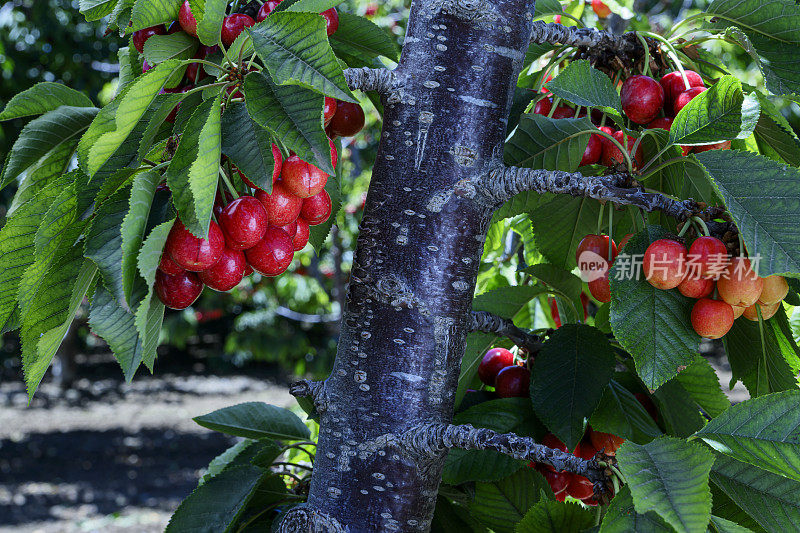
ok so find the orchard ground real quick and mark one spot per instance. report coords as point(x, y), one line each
point(107, 456)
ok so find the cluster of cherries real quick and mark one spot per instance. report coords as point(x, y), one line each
point(707, 269)
point(498, 369)
point(646, 102)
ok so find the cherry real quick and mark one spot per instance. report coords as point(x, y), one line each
point(775, 289)
point(558, 481)
point(233, 25)
point(282, 206)
point(554, 312)
point(694, 287)
point(724, 145)
point(605, 441)
point(290, 228)
point(739, 285)
point(685, 97)
point(300, 238)
point(543, 107)
point(334, 154)
point(316, 209)
point(195, 71)
point(712, 319)
point(140, 37)
point(146, 66)
point(664, 262)
point(642, 98)
point(738, 311)
point(513, 382)
point(266, 9)
point(601, 9)
point(174, 113)
point(193, 253)
point(273, 254)
point(601, 288)
point(244, 222)
point(348, 119)
point(551, 441)
point(493, 362)
point(328, 110)
point(710, 255)
point(613, 155)
point(593, 152)
point(187, 20)
point(226, 273)
point(276, 168)
point(331, 17)
point(302, 178)
point(663, 123)
point(168, 266)
point(585, 449)
point(563, 111)
point(580, 487)
point(597, 244)
point(673, 84)
point(219, 205)
point(767, 311)
point(178, 291)
point(174, 27)
point(247, 269)
point(590, 501)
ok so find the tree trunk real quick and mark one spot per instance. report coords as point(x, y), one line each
point(413, 277)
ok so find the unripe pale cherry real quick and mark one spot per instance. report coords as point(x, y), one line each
point(738, 311)
point(193, 253)
point(273, 254)
point(708, 258)
point(712, 319)
point(694, 287)
point(282, 206)
point(767, 311)
point(664, 264)
point(301, 235)
point(674, 85)
point(740, 285)
point(492, 363)
point(642, 98)
point(774, 290)
point(243, 222)
point(140, 37)
point(178, 291)
point(316, 209)
point(302, 178)
point(513, 382)
point(187, 20)
point(226, 273)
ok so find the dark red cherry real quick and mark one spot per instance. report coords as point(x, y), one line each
point(331, 20)
point(347, 120)
point(219, 205)
point(302, 178)
point(642, 98)
point(233, 25)
point(593, 152)
point(673, 85)
point(563, 111)
point(290, 228)
point(140, 37)
point(663, 123)
point(168, 266)
point(513, 382)
point(543, 107)
point(266, 9)
point(226, 273)
point(328, 109)
point(316, 209)
point(301, 236)
point(244, 222)
point(178, 291)
point(492, 363)
point(282, 206)
point(273, 254)
point(193, 253)
point(187, 20)
point(685, 97)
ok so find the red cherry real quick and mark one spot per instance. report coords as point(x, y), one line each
point(551, 441)
point(708, 258)
point(597, 244)
point(642, 98)
point(244, 222)
point(613, 156)
point(328, 109)
point(140, 37)
point(174, 27)
point(605, 441)
point(233, 25)
point(593, 152)
point(601, 288)
point(226, 273)
point(331, 20)
point(558, 481)
point(302, 235)
point(664, 123)
point(219, 205)
point(174, 113)
point(580, 488)
point(712, 319)
point(693, 287)
point(302, 178)
point(348, 119)
point(493, 362)
point(513, 382)
point(664, 264)
point(290, 228)
point(282, 206)
point(187, 20)
point(673, 84)
point(724, 145)
point(563, 111)
point(316, 209)
point(334, 154)
point(273, 254)
point(195, 71)
point(168, 266)
point(266, 9)
point(590, 501)
point(178, 291)
point(554, 312)
point(600, 9)
point(543, 107)
point(247, 269)
point(585, 449)
point(624, 241)
point(685, 97)
point(193, 253)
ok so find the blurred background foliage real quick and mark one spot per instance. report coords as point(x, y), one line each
point(290, 323)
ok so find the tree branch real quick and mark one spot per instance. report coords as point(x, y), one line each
point(382, 80)
point(489, 323)
point(503, 183)
point(584, 37)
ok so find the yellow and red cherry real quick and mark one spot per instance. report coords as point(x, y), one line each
point(739, 285)
point(712, 319)
point(664, 264)
point(302, 178)
point(696, 287)
point(710, 255)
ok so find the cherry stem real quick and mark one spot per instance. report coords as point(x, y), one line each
point(702, 225)
point(685, 228)
point(227, 182)
point(610, 232)
point(600, 218)
point(687, 20)
point(625, 154)
point(646, 69)
point(741, 244)
point(556, 102)
point(673, 55)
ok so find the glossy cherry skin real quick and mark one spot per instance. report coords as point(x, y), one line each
point(694, 287)
point(226, 273)
point(712, 319)
point(543, 107)
point(774, 289)
point(247, 269)
point(673, 84)
point(580, 488)
point(664, 264)
point(347, 120)
point(558, 481)
point(290, 228)
point(168, 266)
point(282, 206)
point(513, 382)
point(302, 178)
point(193, 253)
point(219, 205)
point(642, 98)
point(493, 362)
point(331, 17)
point(266, 9)
point(593, 152)
point(601, 289)
point(601, 9)
point(301, 236)
point(187, 20)
point(739, 285)
point(605, 441)
point(334, 154)
point(233, 25)
point(140, 37)
point(273, 254)
point(685, 97)
point(597, 244)
point(663, 123)
point(276, 168)
point(195, 71)
point(708, 258)
point(613, 156)
point(767, 311)
point(244, 222)
point(316, 209)
point(563, 111)
point(328, 110)
point(178, 291)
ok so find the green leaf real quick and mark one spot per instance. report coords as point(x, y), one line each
point(764, 199)
point(115, 325)
point(568, 377)
point(774, 19)
point(551, 144)
point(720, 113)
point(150, 313)
point(776, 60)
point(160, 48)
point(48, 168)
point(762, 431)
point(193, 174)
point(653, 325)
point(622, 517)
point(583, 85)
point(209, 20)
point(255, 420)
point(679, 413)
point(700, 380)
point(360, 37)
point(96, 9)
point(501, 505)
point(777, 142)
point(726, 508)
point(292, 114)
point(566, 283)
point(248, 145)
point(621, 414)
point(556, 517)
point(669, 476)
point(104, 241)
point(773, 501)
point(295, 50)
point(43, 98)
point(244, 452)
point(134, 226)
point(215, 506)
point(548, 7)
point(726, 526)
point(221, 461)
point(153, 12)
